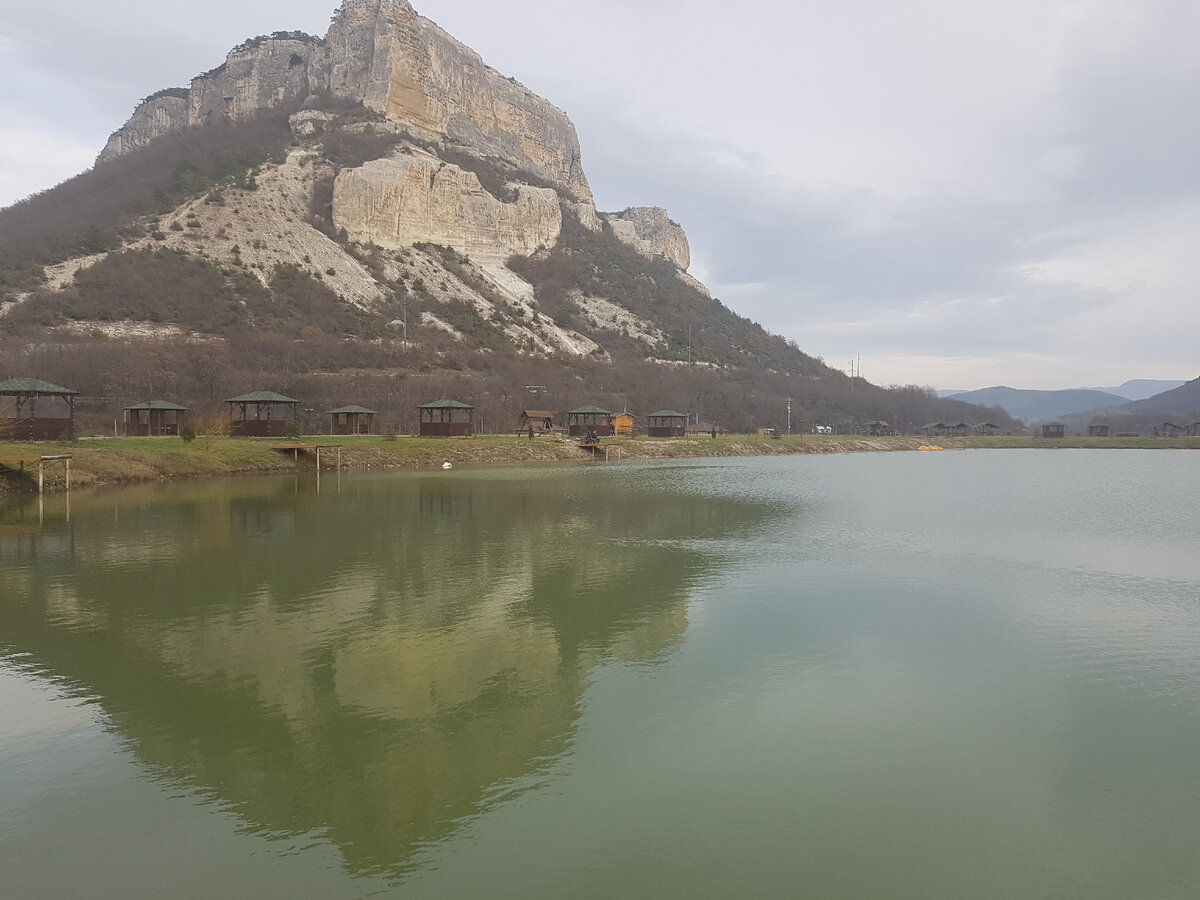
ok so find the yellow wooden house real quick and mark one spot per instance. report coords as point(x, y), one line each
point(623, 423)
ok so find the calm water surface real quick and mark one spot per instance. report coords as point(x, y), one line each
point(962, 674)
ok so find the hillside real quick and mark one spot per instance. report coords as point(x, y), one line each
point(357, 225)
point(1040, 405)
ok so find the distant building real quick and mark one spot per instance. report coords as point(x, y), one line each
point(154, 418)
point(1052, 430)
point(352, 420)
point(36, 410)
point(1097, 431)
point(987, 428)
point(622, 423)
point(446, 418)
point(588, 419)
point(667, 423)
point(261, 414)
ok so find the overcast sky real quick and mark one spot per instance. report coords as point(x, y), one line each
point(964, 193)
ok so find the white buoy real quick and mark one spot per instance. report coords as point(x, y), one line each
point(447, 465)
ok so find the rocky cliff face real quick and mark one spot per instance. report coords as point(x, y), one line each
point(414, 196)
point(397, 63)
point(650, 231)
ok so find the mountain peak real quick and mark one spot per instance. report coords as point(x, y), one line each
point(398, 65)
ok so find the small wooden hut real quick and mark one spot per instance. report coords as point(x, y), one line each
point(667, 423)
point(446, 418)
point(154, 418)
point(352, 420)
point(1097, 431)
point(878, 427)
point(987, 428)
point(588, 419)
point(536, 421)
point(36, 410)
point(261, 414)
point(1052, 430)
point(623, 423)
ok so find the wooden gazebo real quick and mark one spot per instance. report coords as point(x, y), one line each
point(35, 410)
point(1098, 430)
point(588, 419)
point(667, 423)
point(154, 418)
point(1052, 430)
point(352, 420)
point(446, 418)
point(261, 414)
point(536, 421)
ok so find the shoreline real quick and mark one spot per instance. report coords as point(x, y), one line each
point(111, 461)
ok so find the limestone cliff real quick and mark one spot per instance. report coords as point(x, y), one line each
point(650, 231)
point(413, 196)
point(398, 64)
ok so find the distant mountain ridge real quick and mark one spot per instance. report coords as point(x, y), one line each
point(1037, 405)
point(1140, 388)
point(1136, 396)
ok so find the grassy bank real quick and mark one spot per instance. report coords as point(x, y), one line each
point(118, 460)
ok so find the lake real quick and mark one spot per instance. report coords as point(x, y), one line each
point(906, 675)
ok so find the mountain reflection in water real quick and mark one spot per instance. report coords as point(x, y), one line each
point(371, 664)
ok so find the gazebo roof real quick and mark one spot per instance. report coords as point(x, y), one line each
point(668, 414)
point(261, 397)
point(592, 410)
point(537, 414)
point(33, 386)
point(445, 404)
point(159, 404)
point(361, 410)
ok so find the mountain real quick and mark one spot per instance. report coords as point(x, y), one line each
point(1140, 388)
point(1182, 402)
point(378, 217)
point(1038, 405)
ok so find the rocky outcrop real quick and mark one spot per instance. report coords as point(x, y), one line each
point(650, 231)
point(397, 63)
point(414, 196)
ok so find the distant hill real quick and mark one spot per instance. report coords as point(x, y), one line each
point(1182, 402)
point(1036, 405)
point(1140, 388)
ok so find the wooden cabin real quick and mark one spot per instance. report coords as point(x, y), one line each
point(352, 420)
point(878, 428)
point(154, 418)
point(36, 410)
point(667, 423)
point(446, 418)
point(536, 421)
point(261, 414)
point(1097, 431)
point(588, 419)
point(987, 428)
point(1052, 430)
point(622, 423)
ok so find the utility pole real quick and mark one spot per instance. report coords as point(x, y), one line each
point(789, 419)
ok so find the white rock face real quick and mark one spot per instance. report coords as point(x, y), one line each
point(650, 231)
point(397, 63)
point(414, 196)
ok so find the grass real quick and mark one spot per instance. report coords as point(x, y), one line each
point(122, 460)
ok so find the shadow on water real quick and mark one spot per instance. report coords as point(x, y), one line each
point(375, 664)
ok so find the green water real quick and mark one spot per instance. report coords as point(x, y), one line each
point(971, 674)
